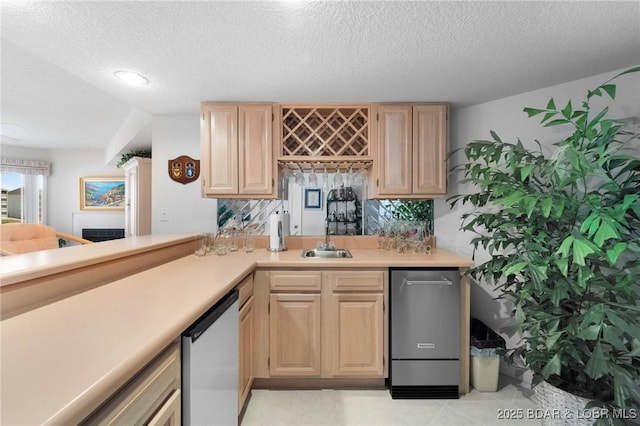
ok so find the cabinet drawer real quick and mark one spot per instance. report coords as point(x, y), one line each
point(356, 280)
point(296, 281)
point(151, 392)
point(245, 289)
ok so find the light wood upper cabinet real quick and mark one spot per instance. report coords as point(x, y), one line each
point(237, 151)
point(393, 162)
point(430, 136)
point(411, 151)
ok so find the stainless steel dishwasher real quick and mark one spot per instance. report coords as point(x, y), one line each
point(424, 333)
point(210, 366)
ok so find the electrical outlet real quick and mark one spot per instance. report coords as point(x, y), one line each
point(164, 215)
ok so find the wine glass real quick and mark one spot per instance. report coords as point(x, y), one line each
point(337, 179)
point(362, 176)
point(325, 179)
point(349, 177)
point(313, 178)
point(299, 177)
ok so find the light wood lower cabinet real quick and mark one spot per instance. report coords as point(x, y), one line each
point(355, 334)
point(245, 371)
point(152, 397)
point(322, 324)
point(355, 328)
point(295, 335)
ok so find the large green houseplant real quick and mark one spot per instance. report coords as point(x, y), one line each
point(563, 233)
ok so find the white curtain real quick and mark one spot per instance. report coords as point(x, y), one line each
point(34, 192)
point(25, 167)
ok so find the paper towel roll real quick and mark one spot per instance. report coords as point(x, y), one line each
point(276, 221)
point(286, 224)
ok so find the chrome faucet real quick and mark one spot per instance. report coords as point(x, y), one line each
point(328, 245)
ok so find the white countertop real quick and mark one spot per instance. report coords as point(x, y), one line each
point(61, 360)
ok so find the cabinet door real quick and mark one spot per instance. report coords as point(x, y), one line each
point(246, 357)
point(430, 149)
point(393, 159)
point(150, 397)
point(355, 334)
point(294, 344)
point(169, 414)
point(256, 166)
point(219, 147)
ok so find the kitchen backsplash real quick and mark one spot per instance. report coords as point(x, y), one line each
point(309, 219)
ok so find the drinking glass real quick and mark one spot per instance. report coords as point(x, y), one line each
point(325, 180)
point(222, 242)
point(313, 179)
point(299, 177)
point(362, 176)
point(349, 177)
point(249, 241)
point(203, 242)
point(337, 179)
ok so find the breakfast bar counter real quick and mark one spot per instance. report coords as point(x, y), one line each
point(61, 360)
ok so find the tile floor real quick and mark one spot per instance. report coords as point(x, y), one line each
point(375, 407)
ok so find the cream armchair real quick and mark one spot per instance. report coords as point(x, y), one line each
point(18, 238)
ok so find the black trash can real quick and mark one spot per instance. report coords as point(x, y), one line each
point(485, 356)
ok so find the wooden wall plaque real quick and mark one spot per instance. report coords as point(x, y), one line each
point(184, 169)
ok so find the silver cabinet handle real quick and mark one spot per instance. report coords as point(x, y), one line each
point(444, 281)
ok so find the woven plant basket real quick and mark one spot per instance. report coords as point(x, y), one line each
point(561, 408)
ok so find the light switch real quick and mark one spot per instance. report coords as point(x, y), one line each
point(164, 215)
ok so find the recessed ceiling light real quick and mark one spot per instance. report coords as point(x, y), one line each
point(132, 78)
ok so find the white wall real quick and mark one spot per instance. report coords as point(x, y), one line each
point(67, 167)
point(63, 186)
point(173, 136)
point(506, 117)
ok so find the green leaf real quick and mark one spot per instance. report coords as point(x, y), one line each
point(515, 268)
point(546, 207)
point(563, 265)
point(531, 112)
point(614, 252)
point(631, 329)
point(557, 122)
point(610, 89)
point(565, 246)
point(552, 339)
point(605, 231)
point(610, 335)
point(595, 92)
point(597, 365)
point(525, 171)
point(581, 249)
point(495, 136)
point(551, 104)
point(552, 367)
point(566, 112)
point(590, 333)
point(520, 317)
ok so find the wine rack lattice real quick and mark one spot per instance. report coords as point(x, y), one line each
point(325, 132)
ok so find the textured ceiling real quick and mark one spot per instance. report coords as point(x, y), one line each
point(58, 58)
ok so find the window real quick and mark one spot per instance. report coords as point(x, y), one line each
point(24, 190)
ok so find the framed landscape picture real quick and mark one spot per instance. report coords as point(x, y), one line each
point(102, 193)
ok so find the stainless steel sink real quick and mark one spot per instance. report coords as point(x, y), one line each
point(326, 254)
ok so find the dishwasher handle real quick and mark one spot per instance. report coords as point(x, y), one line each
point(208, 318)
point(443, 281)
